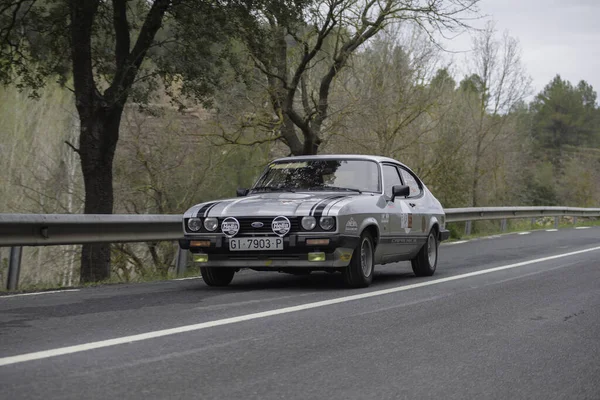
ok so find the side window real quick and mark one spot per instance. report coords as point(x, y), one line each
point(390, 178)
point(411, 182)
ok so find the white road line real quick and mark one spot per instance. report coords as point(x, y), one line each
point(38, 293)
point(524, 233)
point(583, 227)
point(458, 242)
point(551, 230)
point(186, 279)
point(227, 321)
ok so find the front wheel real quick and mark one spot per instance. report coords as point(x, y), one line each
point(425, 263)
point(217, 276)
point(359, 273)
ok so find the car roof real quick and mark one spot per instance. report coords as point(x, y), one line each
point(378, 159)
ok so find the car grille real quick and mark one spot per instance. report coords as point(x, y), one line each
point(246, 227)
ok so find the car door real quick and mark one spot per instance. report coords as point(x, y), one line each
point(418, 208)
point(397, 220)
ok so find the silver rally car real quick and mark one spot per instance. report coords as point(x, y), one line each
point(335, 213)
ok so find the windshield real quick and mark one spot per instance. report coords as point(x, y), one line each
point(323, 174)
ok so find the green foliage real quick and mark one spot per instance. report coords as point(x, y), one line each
point(33, 42)
point(472, 84)
point(539, 186)
point(443, 81)
point(578, 183)
point(565, 115)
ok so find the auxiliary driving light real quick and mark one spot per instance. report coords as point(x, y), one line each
point(314, 257)
point(317, 242)
point(200, 258)
point(200, 243)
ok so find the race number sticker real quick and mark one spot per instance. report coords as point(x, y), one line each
point(403, 220)
point(406, 217)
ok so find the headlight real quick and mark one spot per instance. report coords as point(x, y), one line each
point(211, 224)
point(194, 224)
point(326, 223)
point(309, 223)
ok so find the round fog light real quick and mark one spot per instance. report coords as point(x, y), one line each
point(309, 223)
point(327, 223)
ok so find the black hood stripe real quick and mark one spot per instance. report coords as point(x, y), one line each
point(337, 201)
point(202, 210)
point(312, 210)
point(319, 210)
point(326, 199)
point(210, 208)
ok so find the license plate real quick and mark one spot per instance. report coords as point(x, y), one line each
point(263, 243)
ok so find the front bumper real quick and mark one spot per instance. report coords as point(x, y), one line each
point(295, 253)
point(444, 235)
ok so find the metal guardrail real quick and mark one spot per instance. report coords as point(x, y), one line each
point(17, 230)
point(481, 213)
point(62, 229)
point(469, 215)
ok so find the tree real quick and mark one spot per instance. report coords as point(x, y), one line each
point(498, 81)
point(301, 46)
point(387, 83)
point(112, 52)
point(565, 115)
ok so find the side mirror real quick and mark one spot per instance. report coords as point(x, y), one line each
point(241, 192)
point(399, 191)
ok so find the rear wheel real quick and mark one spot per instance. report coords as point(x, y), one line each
point(217, 276)
point(425, 263)
point(360, 271)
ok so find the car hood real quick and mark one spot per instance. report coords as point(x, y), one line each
point(271, 204)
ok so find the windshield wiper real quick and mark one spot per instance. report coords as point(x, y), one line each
point(272, 188)
point(325, 187)
point(261, 188)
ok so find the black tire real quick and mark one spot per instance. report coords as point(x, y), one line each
point(354, 274)
point(217, 276)
point(425, 263)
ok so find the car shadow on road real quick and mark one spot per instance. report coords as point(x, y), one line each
point(316, 281)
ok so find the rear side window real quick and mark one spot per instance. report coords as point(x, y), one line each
point(412, 182)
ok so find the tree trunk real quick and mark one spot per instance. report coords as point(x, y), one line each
point(311, 144)
point(288, 131)
point(476, 176)
point(98, 138)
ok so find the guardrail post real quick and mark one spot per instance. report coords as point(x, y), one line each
point(14, 268)
point(468, 228)
point(574, 220)
point(182, 260)
point(556, 222)
point(503, 225)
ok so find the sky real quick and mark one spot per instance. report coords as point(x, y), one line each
point(555, 36)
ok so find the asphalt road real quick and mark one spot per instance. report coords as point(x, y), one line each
point(510, 317)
